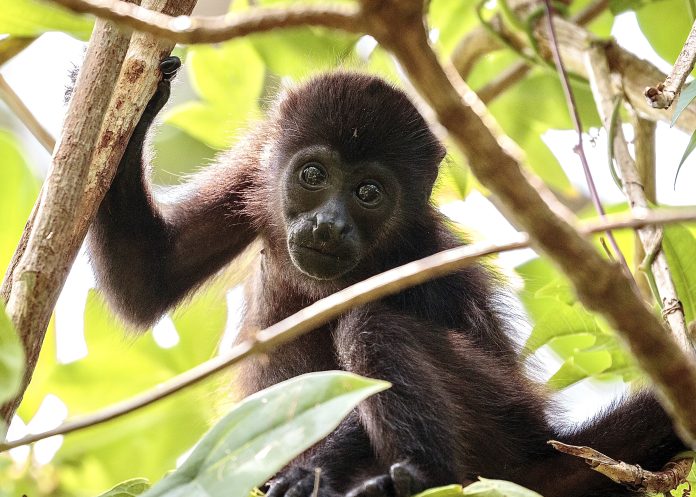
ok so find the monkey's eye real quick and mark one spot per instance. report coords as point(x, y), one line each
point(369, 193)
point(313, 175)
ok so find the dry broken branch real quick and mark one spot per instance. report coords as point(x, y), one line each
point(605, 94)
point(662, 95)
point(187, 29)
point(379, 286)
point(631, 475)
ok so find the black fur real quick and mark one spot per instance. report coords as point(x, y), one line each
point(460, 406)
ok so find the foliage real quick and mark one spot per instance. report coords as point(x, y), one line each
point(225, 87)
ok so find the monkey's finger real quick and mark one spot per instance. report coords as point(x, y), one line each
point(402, 479)
point(374, 487)
point(169, 67)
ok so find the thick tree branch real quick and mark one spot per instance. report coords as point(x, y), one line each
point(631, 475)
point(644, 143)
point(600, 284)
point(480, 42)
point(97, 127)
point(635, 74)
point(379, 286)
point(605, 95)
point(186, 29)
point(662, 95)
point(42, 269)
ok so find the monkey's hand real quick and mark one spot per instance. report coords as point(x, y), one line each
point(168, 67)
point(403, 480)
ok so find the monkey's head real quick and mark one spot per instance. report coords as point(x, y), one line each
point(354, 163)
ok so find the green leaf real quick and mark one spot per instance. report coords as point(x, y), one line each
point(207, 123)
point(299, 51)
point(32, 18)
point(689, 148)
point(686, 96)
point(498, 488)
point(666, 25)
point(11, 358)
point(129, 488)
point(446, 491)
point(581, 365)
point(562, 320)
point(678, 244)
point(264, 432)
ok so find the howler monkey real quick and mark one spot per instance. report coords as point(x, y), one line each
point(336, 184)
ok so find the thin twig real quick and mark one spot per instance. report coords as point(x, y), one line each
point(374, 288)
point(631, 476)
point(517, 71)
point(194, 29)
point(8, 95)
point(651, 237)
point(662, 95)
point(580, 149)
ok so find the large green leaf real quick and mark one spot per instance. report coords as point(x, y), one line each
point(666, 24)
point(679, 244)
point(11, 358)
point(446, 491)
point(265, 431)
point(33, 17)
point(229, 78)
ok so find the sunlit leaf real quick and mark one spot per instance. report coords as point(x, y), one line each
point(446, 491)
point(679, 244)
point(33, 17)
point(497, 488)
point(579, 366)
point(129, 488)
point(298, 52)
point(666, 25)
point(208, 123)
point(265, 431)
point(11, 358)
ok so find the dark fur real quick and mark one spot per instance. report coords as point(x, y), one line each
point(460, 405)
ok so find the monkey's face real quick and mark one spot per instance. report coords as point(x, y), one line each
point(335, 213)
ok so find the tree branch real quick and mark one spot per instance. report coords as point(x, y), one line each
point(631, 475)
point(662, 95)
point(322, 311)
point(83, 165)
point(187, 29)
point(495, 161)
point(20, 110)
point(644, 142)
point(42, 269)
point(651, 237)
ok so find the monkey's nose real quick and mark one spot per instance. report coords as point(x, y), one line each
point(328, 229)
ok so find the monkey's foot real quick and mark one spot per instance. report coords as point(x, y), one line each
point(169, 67)
point(402, 480)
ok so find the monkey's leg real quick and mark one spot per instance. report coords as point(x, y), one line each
point(412, 425)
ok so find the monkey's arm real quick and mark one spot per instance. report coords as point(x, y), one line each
point(147, 256)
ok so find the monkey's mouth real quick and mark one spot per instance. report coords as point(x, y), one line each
point(320, 261)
